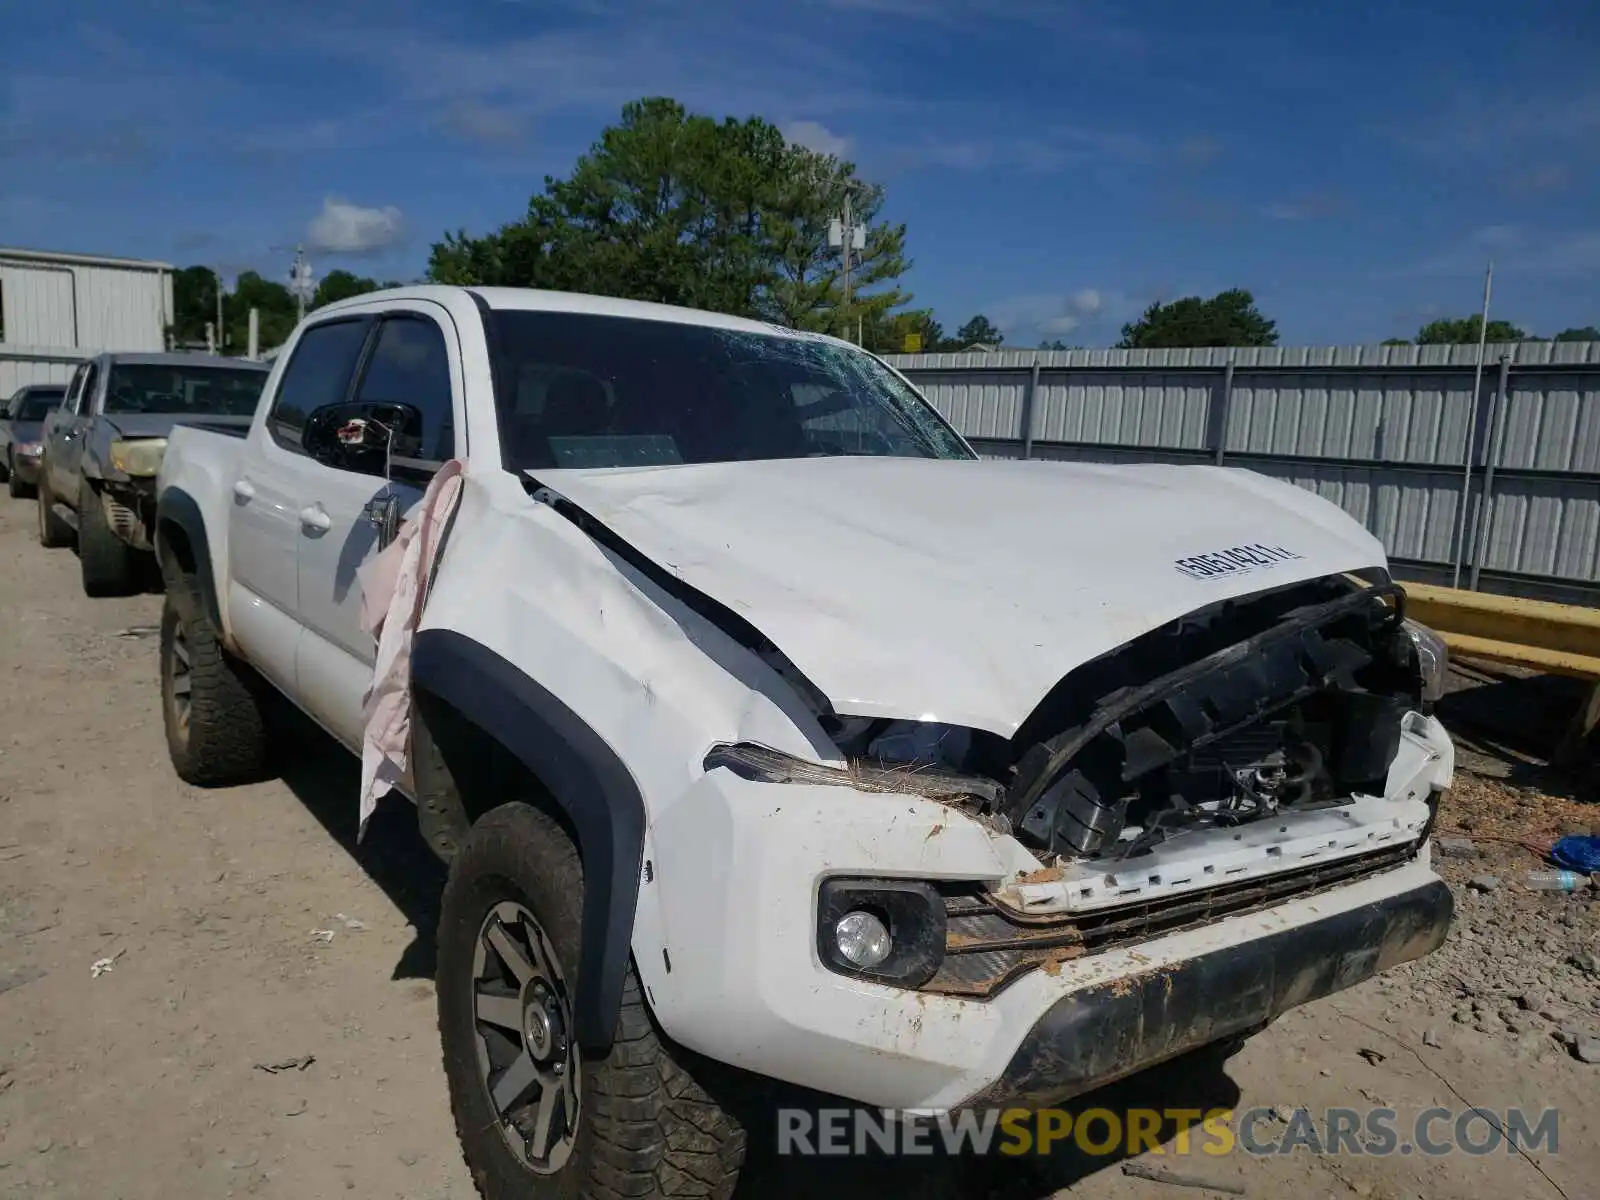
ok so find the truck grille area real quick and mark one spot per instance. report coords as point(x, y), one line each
point(987, 946)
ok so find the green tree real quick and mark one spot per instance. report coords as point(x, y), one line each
point(273, 300)
point(1582, 333)
point(886, 333)
point(1227, 319)
point(340, 284)
point(194, 303)
point(979, 330)
point(1396, 342)
point(1463, 331)
point(1057, 344)
point(683, 209)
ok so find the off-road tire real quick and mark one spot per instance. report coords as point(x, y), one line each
point(54, 533)
point(225, 736)
point(647, 1127)
point(109, 566)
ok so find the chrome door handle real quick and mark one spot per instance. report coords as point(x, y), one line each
point(384, 514)
point(315, 518)
point(244, 489)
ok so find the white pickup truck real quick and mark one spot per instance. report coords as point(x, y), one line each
point(765, 726)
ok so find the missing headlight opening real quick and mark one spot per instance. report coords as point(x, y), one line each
point(1284, 701)
point(1291, 700)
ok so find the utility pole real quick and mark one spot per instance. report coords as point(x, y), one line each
point(847, 235)
point(217, 348)
point(300, 283)
point(1472, 429)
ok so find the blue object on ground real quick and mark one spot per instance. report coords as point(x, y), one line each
point(1578, 853)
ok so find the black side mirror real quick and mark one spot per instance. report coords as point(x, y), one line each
point(363, 437)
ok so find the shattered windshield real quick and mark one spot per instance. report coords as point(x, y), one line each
point(581, 390)
point(203, 390)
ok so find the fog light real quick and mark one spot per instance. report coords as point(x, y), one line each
point(862, 939)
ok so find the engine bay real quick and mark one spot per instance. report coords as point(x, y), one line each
point(1287, 701)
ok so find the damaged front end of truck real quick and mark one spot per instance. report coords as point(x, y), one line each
point(1258, 750)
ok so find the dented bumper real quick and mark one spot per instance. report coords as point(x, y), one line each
point(742, 980)
point(1115, 1029)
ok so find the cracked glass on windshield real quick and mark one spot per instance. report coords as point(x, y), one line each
point(581, 390)
point(169, 388)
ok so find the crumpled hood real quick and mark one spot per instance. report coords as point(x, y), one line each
point(963, 591)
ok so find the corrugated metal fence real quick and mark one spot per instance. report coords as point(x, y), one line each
point(1383, 431)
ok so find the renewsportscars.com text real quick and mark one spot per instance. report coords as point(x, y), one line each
point(1217, 1131)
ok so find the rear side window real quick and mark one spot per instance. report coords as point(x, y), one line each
point(410, 367)
point(317, 374)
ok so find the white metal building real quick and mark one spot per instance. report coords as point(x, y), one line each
point(58, 309)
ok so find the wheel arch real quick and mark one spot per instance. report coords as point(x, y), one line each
point(181, 543)
point(591, 790)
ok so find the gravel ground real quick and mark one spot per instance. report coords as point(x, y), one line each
point(231, 1049)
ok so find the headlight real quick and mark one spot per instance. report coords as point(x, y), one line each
point(762, 765)
point(141, 457)
point(30, 449)
point(1433, 658)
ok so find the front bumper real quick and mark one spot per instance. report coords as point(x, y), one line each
point(1115, 1029)
point(725, 942)
point(26, 467)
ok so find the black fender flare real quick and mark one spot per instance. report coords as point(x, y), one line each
point(180, 508)
point(583, 774)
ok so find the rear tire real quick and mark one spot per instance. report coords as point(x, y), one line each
point(110, 567)
point(642, 1125)
point(213, 706)
point(54, 533)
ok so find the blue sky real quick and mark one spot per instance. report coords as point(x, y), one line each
point(1059, 164)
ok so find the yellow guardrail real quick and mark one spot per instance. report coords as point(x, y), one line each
point(1562, 639)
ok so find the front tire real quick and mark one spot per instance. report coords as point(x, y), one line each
point(213, 709)
point(54, 533)
point(536, 1119)
point(16, 486)
point(110, 567)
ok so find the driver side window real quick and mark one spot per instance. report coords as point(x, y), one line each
point(318, 374)
point(410, 370)
point(91, 379)
point(69, 401)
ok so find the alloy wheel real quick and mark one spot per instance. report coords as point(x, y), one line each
point(527, 1057)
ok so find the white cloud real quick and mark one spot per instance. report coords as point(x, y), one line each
point(344, 228)
point(1087, 301)
point(814, 135)
point(1308, 208)
point(1032, 318)
point(479, 122)
point(1056, 326)
point(1200, 150)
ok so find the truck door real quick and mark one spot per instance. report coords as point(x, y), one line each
point(413, 370)
point(270, 509)
point(64, 451)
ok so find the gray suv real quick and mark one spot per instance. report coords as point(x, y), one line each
point(103, 446)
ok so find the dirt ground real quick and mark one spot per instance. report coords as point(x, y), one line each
point(147, 1079)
